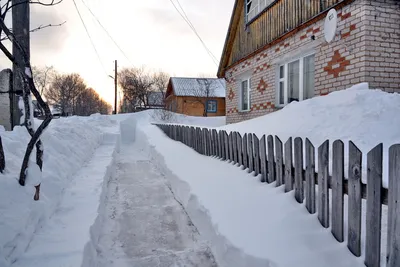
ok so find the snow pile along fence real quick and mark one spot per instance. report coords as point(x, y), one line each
point(284, 165)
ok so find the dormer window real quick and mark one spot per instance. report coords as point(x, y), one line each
point(254, 7)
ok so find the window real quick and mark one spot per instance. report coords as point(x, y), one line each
point(244, 104)
point(254, 7)
point(212, 106)
point(296, 80)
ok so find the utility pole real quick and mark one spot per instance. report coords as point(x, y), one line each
point(21, 28)
point(116, 85)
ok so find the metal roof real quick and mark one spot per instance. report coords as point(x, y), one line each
point(192, 86)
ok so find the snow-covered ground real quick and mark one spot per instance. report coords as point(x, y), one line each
point(244, 222)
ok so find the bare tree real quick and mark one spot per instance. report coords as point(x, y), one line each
point(204, 91)
point(64, 90)
point(25, 73)
point(89, 102)
point(43, 77)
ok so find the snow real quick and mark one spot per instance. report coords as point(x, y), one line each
point(33, 175)
point(21, 107)
point(28, 72)
point(359, 114)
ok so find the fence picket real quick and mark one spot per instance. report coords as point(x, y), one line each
point(245, 152)
point(354, 200)
point(337, 190)
point(271, 160)
point(215, 143)
point(263, 159)
point(239, 148)
point(298, 173)
point(288, 166)
point(279, 161)
point(393, 252)
point(226, 142)
point(222, 140)
point(230, 143)
point(250, 152)
point(193, 137)
point(219, 151)
point(310, 177)
point(2, 157)
point(374, 207)
point(256, 152)
point(234, 147)
point(323, 186)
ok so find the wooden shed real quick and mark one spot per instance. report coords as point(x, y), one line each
point(196, 96)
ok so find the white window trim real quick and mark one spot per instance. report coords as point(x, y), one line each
point(248, 79)
point(285, 78)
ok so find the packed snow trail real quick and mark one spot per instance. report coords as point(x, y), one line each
point(144, 224)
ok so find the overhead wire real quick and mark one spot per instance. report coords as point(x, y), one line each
point(90, 38)
point(187, 20)
point(106, 31)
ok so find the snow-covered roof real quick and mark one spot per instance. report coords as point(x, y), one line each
point(191, 86)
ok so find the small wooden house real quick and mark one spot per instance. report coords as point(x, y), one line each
point(275, 52)
point(196, 96)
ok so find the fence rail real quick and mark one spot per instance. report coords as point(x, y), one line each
point(276, 162)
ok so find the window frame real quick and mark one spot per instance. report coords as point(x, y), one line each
point(257, 7)
point(216, 106)
point(285, 79)
point(248, 80)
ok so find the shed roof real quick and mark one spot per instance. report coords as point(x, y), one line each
point(189, 86)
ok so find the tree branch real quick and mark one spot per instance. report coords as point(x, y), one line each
point(47, 26)
point(6, 52)
point(53, 3)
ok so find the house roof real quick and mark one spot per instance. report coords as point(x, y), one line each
point(189, 86)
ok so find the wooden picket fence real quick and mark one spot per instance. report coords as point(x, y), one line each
point(276, 163)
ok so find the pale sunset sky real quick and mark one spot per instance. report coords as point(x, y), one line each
point(150, 32)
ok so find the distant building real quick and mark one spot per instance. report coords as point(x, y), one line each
point(196, 96)
point(275, 52)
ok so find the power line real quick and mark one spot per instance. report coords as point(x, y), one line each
point(194, 29)
point(105, 30)
point(186, 19)
point(91, 40)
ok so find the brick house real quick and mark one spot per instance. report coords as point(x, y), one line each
point(196, 96)
point(275, 52)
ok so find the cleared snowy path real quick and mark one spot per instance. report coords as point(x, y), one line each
point(144, 225)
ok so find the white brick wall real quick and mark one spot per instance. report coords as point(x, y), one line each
point(5, 117)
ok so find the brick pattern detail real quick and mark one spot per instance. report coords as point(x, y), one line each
point(232, 110)
point(231, 94)
point(262, 106)
point(262, 86)
point(261, 68)
point(311, 31)
point(337, 64)
point(246, 64)
point(262, 55)
point(348, 31)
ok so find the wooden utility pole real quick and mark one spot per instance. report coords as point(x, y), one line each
point(116, 85)
point(21, 28)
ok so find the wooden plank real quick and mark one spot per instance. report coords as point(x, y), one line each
point(374, 207)
point(393, 245)
point(230, 142)
point(193, 137)
point(215, 142)
point(263, 159)
point(298, 170)
point(198, 136)
point(279, 161)
point(2, 157)
point(288, 166)
point(271, 159)
point(337, 190)
point(245, 152)
point(310, 177)
point(222, 144)
point(354, 200)
point(250, 152)
point(219, 153)
point(239, 148)
point(206, 141)
point(256, 152)
point(234, 147)
point(226, 142)
point(323, 188)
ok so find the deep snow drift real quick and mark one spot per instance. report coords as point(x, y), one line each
point(366, 117)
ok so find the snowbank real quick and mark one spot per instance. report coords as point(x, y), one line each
point(68, 144)
point(247, 223)
point(366, 117)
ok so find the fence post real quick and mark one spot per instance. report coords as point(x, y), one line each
point(271, 160)
point(298, 173)
point(239, 148)
point(263, 156)
point(310, 177)
point(245, 152)
point(323, 186)
point(354, 200)
point(279, 161)
point(393, 252)
point(374, 207)
point(250, 152)
point(256, 152)
point(337, 190)
point(288, 166)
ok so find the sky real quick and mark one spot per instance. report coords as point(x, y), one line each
point(151, 33)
